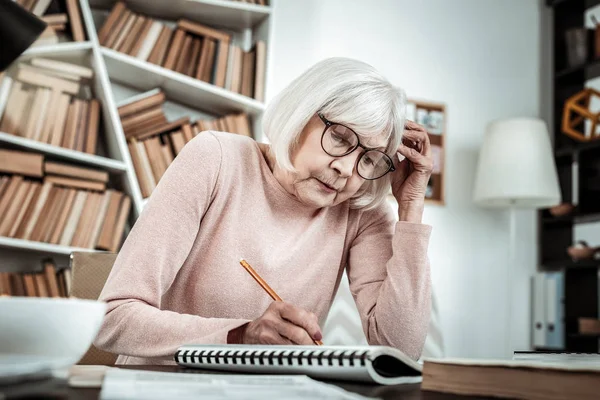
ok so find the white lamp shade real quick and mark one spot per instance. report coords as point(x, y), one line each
point(516, 167)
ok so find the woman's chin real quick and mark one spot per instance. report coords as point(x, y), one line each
point(316, 200)
point(319, 199)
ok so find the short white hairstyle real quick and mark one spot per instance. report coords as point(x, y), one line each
point(346, 91)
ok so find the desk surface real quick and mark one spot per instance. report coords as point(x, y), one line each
point(58, 389)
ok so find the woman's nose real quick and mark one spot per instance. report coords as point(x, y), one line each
point(345, 165)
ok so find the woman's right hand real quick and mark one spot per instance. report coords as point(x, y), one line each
point(283, 323)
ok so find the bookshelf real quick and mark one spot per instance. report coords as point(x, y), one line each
point(578, 171)
point(119, 79)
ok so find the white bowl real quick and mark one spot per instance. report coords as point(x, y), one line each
point(38, 335)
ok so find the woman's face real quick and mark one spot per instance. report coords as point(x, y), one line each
point(322, 180)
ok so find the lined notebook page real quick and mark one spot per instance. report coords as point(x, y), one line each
point(133, 385)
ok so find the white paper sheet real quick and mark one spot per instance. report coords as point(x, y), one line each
point(132, 385)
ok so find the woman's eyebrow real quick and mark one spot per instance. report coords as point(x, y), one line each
point(380, 147)
point(377, 146)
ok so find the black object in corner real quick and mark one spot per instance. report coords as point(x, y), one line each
point(18, 30)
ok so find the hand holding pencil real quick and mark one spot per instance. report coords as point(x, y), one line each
point(282, 323)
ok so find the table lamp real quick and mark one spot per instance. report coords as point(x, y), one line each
point(18, 30)
point(516, 170)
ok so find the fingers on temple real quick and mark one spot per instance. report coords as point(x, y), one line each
point(417, 138)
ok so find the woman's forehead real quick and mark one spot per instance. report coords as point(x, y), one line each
point(378, 141)
point(368, 138)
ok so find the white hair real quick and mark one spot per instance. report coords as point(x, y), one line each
point(346, 91)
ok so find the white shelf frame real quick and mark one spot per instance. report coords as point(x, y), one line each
point(91, 160)
point(251, 21)
point(58, 48)
point(228, 14)
point(39, 247)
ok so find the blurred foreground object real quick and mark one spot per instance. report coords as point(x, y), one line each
point(18, 30)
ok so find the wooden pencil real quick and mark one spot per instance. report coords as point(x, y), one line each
point(266, 287)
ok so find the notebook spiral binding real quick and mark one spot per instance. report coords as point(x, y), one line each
point(339, 358)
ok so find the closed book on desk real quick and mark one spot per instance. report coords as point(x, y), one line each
point(533, 380)
point(378, 364)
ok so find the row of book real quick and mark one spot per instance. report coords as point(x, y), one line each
point(154, 142)
point(63, 18)
point(48, 282)
point(59, 203)
point(51, 102)
point(143, 116)
point(193, 49)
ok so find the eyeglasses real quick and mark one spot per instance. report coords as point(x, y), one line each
point(339, 141)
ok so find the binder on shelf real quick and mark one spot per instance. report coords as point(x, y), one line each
point(539, 310)
point(555, 329)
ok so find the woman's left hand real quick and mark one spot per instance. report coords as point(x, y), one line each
point(409, 181)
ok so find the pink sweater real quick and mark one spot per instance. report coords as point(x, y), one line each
point(177, 279)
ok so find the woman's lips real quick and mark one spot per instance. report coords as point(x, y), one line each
point(326, 186)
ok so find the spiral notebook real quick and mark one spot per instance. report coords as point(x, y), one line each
point(375, 364)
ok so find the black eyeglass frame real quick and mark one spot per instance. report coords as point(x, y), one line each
point(329, 124)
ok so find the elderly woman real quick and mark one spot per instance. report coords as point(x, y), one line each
point(300, 212)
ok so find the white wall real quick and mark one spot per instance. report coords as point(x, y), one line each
point(461, 53)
